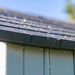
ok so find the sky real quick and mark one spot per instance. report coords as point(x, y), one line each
point(48, 8)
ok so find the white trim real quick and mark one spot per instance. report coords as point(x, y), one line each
point(2, 58)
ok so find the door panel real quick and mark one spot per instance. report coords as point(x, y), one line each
point(33, 61)
point(61, 62)
point(14, 59)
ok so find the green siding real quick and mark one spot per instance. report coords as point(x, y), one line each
point(61, 62)
point(28, 60)
point(14, 59)
point(33, 61)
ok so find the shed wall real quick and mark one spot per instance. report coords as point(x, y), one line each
point(14, 59)
point(33, 61)
point(28, 60)
point(61, 62)
point(24, 60)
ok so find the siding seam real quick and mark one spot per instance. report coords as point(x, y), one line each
point(23, 60)
point(74, 62)
point(43, 61)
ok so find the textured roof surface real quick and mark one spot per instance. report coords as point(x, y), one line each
point(36, 25)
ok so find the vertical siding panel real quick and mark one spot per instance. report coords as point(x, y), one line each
point(33, 61)
point(43, 61)
point(46, 62)
point(61, 62)
point(14, 59)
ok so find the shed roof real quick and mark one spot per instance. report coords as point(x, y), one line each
point(36, 30)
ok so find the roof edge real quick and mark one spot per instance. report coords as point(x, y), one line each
point(35, 40)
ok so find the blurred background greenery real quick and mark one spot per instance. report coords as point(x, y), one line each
point(70, 10)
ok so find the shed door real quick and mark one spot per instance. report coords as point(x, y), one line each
point(60, 62)
point(33, 61)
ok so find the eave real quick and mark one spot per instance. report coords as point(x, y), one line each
point(48, 33)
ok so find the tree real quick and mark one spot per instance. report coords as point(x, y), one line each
point(70, 10)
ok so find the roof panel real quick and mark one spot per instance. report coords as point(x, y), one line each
point(20, 23)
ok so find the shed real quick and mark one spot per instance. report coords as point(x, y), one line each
point(35, 45)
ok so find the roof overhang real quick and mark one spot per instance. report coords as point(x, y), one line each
point(39, 41)
point(35, 30)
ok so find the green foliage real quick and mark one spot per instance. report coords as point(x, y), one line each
point(70, 10)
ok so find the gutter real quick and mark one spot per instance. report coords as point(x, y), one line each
point(26, 39)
